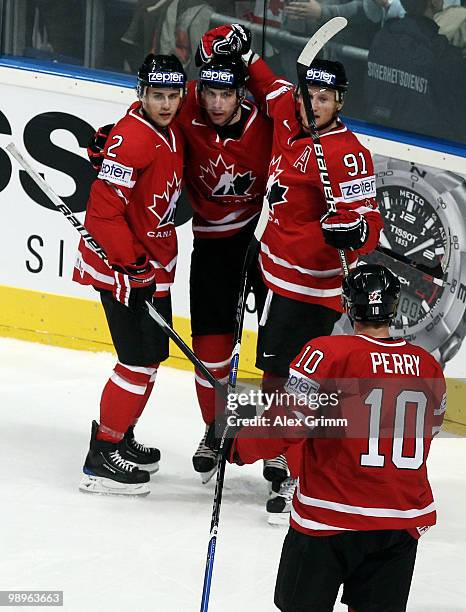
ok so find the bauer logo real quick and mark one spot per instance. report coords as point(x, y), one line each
point(217, 76)
point(116, 173)
point(166, 78)
point(358, 189)
point(317, 74)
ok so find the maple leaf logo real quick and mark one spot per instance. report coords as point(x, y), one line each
point(222, 180)
point(275, 192)
point(166, 214)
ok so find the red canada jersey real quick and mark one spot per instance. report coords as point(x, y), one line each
point(225, 179)
point(366, 471)
point(131, 207)
point(295, 260)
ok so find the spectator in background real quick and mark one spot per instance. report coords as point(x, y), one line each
point(376, 11)
point(415, 77)
point(452, 23)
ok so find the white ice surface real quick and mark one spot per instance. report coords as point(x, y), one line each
point(119, 555)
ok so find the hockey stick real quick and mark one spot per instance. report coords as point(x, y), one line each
point(68, 213)
point(316, 43)
point(305, 59)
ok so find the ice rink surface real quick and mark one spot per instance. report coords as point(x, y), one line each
point(111, 554)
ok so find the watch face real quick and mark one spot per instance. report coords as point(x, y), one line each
point(424, 220)
point(413, 229)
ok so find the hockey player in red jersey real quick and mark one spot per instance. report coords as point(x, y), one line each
point(228, 149)
point(363, 497)
point(298, 252)
point(130, 213)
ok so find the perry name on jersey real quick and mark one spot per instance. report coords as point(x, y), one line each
point(225, 178)
point(363, 462)
point(132, 204)
point(295, 260)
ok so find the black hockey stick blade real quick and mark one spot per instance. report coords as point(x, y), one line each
point(433, 271)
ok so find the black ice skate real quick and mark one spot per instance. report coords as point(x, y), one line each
point(146, 457)
point(279, 503)
point(205, 460)
point(275, 469)
point(106, 472)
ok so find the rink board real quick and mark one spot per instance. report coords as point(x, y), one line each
point(39, 301)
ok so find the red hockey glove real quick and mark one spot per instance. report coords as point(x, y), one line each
point(96, 146)
point(134, 284)
point(345, 229)
point(231, 39)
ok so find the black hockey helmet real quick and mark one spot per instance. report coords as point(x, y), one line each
point(371, 293)
point(161, 71)
point(329, 75)
point(223, 74)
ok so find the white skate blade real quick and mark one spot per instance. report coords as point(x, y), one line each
point(206, 476)
point(280, 519)
point(105, 486)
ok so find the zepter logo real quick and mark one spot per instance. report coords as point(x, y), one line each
point(317, 74)
point(217, 76)
point(171, 78)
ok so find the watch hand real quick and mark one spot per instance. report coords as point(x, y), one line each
point(420, 247)
point(383, 241)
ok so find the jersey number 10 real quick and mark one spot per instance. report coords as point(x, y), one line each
point(373, 458)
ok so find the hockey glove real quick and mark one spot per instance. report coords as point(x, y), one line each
point(231, 423)
point(345, 229)
point(226, 40)
point(134, 284)
point(96, 146)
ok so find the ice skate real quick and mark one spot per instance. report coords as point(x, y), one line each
point(279, 503)
point(144, 457)
point(107, 473)
point(205, 460)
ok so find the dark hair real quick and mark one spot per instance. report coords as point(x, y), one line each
point(415, 8)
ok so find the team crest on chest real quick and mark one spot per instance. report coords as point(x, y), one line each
point(222, 180)
point(164, 204)
point(275, 192)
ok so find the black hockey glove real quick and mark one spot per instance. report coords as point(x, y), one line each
point(226, 40)
point(345, 229)
point(231, 422)
point(96, 146)
point(134, 284)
